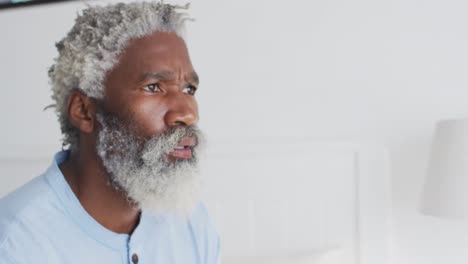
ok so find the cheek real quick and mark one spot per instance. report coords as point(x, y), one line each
point(148, 116)
point(195, 106)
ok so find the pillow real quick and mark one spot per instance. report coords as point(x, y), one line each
point(325, 256)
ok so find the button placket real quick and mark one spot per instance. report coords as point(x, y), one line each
point(134, 253)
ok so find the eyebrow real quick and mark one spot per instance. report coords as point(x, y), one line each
point(193, 77)
point(167, 75)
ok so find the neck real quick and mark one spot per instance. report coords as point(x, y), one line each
point(88, 179)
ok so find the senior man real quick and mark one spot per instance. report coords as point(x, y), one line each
point(124, 190)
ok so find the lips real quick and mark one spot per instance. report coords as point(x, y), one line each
point(184, 149)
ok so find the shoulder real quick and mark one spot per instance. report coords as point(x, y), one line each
point(200, 220)
point(205, 233)
point(21, 206)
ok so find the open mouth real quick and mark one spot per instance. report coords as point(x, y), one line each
point(184, 150)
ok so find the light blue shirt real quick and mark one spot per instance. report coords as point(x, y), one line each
point(44, 222)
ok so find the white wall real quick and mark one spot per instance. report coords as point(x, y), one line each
point(337, 69)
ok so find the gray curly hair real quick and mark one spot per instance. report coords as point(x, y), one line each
point(93, 45)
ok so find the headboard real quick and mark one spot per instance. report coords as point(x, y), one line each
point(297, 197)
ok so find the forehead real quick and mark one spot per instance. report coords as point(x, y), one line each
point(160, 51)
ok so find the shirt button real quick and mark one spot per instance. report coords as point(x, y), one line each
point(135, 258)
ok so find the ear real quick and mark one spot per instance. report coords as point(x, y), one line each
point(81, 111)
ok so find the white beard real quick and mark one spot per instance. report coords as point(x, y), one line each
point(139, 167)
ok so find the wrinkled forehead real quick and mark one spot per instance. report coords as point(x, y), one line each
point(160, 54)
point(158, 48)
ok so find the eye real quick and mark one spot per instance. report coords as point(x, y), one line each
point(153, 88)
point(190, 90)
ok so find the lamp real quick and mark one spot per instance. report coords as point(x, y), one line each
point(445, 193)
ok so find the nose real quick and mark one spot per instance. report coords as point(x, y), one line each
point(182, 114)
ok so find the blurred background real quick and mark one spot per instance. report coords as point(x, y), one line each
point(381, 71)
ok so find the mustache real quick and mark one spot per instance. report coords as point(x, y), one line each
point(170, 138)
